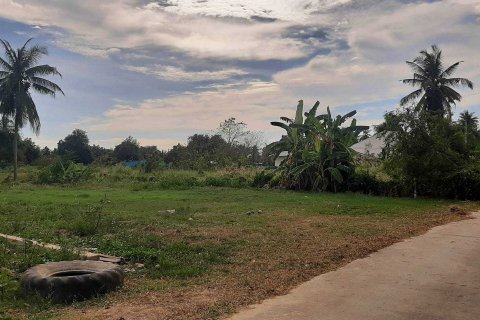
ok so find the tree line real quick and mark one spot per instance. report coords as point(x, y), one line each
point(426, 152)
point(232, 144)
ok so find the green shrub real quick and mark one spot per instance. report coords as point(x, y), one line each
point(225, 181)
point(369, 184)
point(262, 178)
point(59, 172)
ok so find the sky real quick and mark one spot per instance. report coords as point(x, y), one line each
point(163, 70)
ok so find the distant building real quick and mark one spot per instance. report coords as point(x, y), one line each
point(282, 156)
point(372, 146)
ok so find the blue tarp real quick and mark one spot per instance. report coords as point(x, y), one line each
point(133, 164)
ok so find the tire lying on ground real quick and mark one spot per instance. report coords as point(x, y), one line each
point(67, 281)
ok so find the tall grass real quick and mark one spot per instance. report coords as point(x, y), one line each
point(135, 178)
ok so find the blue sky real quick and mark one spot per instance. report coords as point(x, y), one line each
point(163, 70)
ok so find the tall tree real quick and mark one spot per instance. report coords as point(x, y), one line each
point(127, 150)
point(233, 131)
point(75, 147)
point(468, 120)
point(469, 124)
point(19, 74)
point(436, 89)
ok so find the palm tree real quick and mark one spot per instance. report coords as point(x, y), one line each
point(435, 91)
point(19, 73)
point(468, 120)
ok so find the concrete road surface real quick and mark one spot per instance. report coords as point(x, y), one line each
point(435, 276)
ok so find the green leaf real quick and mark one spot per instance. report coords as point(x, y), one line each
point(317, 144)
point(336, 174)
point(281, 125)
point(313, 111)
point(299, 114)
point(299, 169)
point(348, 115)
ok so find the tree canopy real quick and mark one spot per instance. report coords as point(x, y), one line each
point(436, 91)
point(76, 147)
point(127, 150)
point(19, 74)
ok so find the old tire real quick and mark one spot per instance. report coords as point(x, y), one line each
point(67, 281)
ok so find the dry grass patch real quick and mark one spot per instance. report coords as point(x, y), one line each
point(269, 262)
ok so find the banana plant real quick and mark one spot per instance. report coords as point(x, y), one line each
point(293, 140)
point(319, 152)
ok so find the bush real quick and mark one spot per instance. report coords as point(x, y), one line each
point(59, 172)
point(223, 181)
point(262, 178)
point(369, 184)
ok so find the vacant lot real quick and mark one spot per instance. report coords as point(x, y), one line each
point(222, 249)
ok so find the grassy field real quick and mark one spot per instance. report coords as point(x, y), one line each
point(224, 248)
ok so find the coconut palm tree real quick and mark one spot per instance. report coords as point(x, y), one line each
point(19, 74)
point(468, 120)
point(436, 89)
point(469, 123)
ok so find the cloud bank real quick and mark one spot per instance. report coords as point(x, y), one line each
point(252, 59)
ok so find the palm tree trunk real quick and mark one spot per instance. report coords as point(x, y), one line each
point(15, 151)
point(414, 188)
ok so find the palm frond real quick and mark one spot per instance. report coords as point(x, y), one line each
point(450, 94)
point(450, 70)
point(413, 82)
point(411, 97)
point(457, 81)
point(437, 55)
point(416, 67)
point(31, 115)
point(42, 70)
point(418, 76)
point(5, 65)
point(43, 90)
point(33, 55)
point(9, 51)
point(47, 84)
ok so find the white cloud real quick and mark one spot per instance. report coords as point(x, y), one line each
point(342, 80)
point(256, 104)
point(379, 36)
point(121, 24)
point(370, 69)
point(178, 74)
point(287, 10)
point(361, 74)
point(194, 111)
